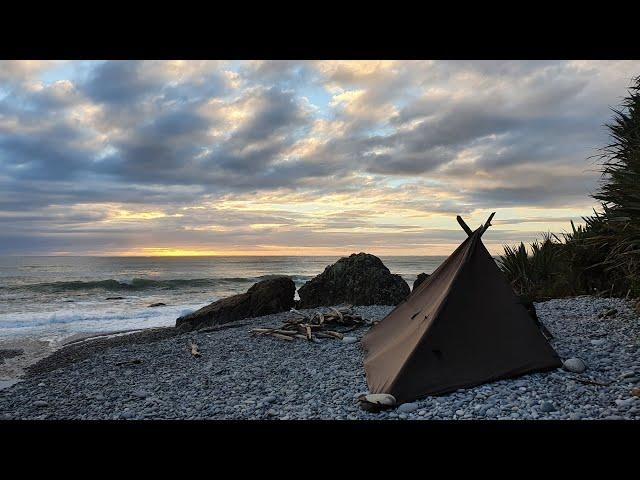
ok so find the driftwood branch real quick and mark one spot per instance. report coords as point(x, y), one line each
point(587, 381)
point(310, 327)
point(464, 226)
point(194, 350)
point(487, 224)
point(135, 361)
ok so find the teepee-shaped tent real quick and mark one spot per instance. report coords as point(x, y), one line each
point(461, 327)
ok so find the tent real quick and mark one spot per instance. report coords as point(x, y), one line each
point(461, 327)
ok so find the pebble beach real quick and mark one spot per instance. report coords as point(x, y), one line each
point(152, 375)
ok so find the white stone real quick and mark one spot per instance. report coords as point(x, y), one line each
point(349, 340)
point(381, 399)
point(575, 365)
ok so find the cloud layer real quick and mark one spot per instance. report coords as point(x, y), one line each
point(152, 157)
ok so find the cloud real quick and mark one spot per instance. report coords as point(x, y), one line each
point(312, 154)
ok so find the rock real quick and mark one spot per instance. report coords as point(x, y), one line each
point(421, 278)
point(140, 394)
point(115, 298)
point(360, 279)
point(547, 407)
point(269, 296)
point(380, 398)
point(597, 342)
point(408, 407)
point(40, 403)
point(159, 304)
point(349, 339)
point(574, 365)
point(375, 402)
point(635, 392)
point(628, 374)
point(626, 402)
point(10, 353)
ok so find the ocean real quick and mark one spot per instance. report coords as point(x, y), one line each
point(52, 298)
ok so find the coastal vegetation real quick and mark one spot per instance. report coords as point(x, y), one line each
point(602, 256)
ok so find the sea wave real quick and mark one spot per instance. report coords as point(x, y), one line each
point(137, 284)
point(95, 320)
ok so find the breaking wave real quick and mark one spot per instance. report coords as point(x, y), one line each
point(138, 284)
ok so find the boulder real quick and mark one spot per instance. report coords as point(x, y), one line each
point(421, 278)
point(10, 353)
point(360, 279)
point(269, 296)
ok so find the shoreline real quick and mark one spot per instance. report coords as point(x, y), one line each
point(151, 374)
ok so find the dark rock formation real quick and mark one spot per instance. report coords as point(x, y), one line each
point(10, 353)
point(263, 298)
point(159, 304)
point(421, 278)
point(360, 279)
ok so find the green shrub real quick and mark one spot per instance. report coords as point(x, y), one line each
point(603, 256)
point(620, 190)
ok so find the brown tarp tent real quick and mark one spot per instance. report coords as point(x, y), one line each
point(461, 327)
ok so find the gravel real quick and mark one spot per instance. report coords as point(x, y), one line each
point(243, 377)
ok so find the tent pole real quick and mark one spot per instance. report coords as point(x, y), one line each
point(488, 222)
point(464, 226)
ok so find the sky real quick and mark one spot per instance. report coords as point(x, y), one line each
point(296, 157)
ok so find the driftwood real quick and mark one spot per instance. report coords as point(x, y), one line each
point(194, 350)
point(464, 225)
point(135, 361)
point(316, 325)
point(487, 224)
point(483, 228)
point(587, 381)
